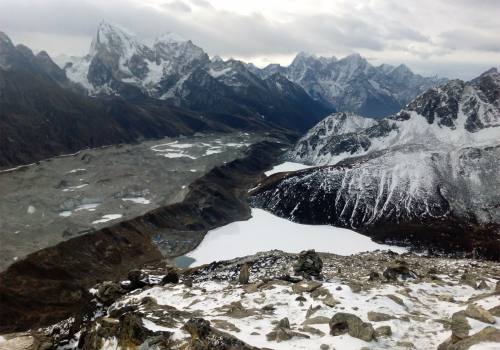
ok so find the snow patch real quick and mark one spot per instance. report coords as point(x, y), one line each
point(107, 217)
point(287, 166)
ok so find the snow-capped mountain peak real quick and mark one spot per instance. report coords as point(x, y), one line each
point(171, 38)
point(114, 38)
point(5, 40)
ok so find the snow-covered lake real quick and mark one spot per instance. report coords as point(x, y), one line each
point(265, 231)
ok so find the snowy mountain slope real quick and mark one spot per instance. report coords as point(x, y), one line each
point(455, 115)
point(180, 73)
point(426, 175)
point(352, 84)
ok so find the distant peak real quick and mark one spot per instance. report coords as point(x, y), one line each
point(217, 58)
point(492, 70)
point(303, 54)
point(111, 35)
point(5, 40)
point(354, 57)
point(171, 38)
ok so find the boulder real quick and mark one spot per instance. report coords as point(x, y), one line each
point(284, 323)
point(459, 326)
point(343, 322)
point(330, 301)
point(379, 316)
point(244, 274)
point(283, 332)
point(305, 286)
point(469, 279)
point(128, 330)
point(137, 278)
point(374, 276)
point(486, 335)
point(483, 285)
point(398, 269)
point(479, 313)
point(171, 276)
point(108, 292)
point(316, 320)
point(198, 328)
point(204, 337)
point(313, 331)
point(383, 331)
point(309, 265)
point(495, 311)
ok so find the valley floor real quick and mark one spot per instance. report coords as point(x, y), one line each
point(56, 199)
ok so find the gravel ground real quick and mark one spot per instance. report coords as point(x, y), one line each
point(56, 199)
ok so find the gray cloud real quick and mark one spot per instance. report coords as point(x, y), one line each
point(177, 6)
point(471, 39)
point(416, 32)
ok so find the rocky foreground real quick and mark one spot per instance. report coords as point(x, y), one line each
point(275, 300)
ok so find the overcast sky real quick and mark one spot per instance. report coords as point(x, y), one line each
point(454, 38)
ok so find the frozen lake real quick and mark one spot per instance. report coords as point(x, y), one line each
point(265, 231)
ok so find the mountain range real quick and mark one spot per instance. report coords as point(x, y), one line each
point(176, 71)
point(426, 176)
point(43, 113)
point(124, 90)
point(352, 84)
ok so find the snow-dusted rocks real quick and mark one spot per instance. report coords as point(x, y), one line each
point(426, 174)
point(353, 84)
point(209, 309)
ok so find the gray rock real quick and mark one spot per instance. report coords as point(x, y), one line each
point(316, 320)
point(399, 269)
point(487, 334)
point(312, 310)
point(469, 279)
point(483, 285)
point(109, 292)
point(308, 265)
point(379, 316)
point(284, 323)
point(495, 311)
point(383, 331)
point(313, 331)
point(171, 276)
point(244, 276)
point(305, 286)
point(343, 322)
point(459, 326)
point(330, 301)
point(479, 313)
